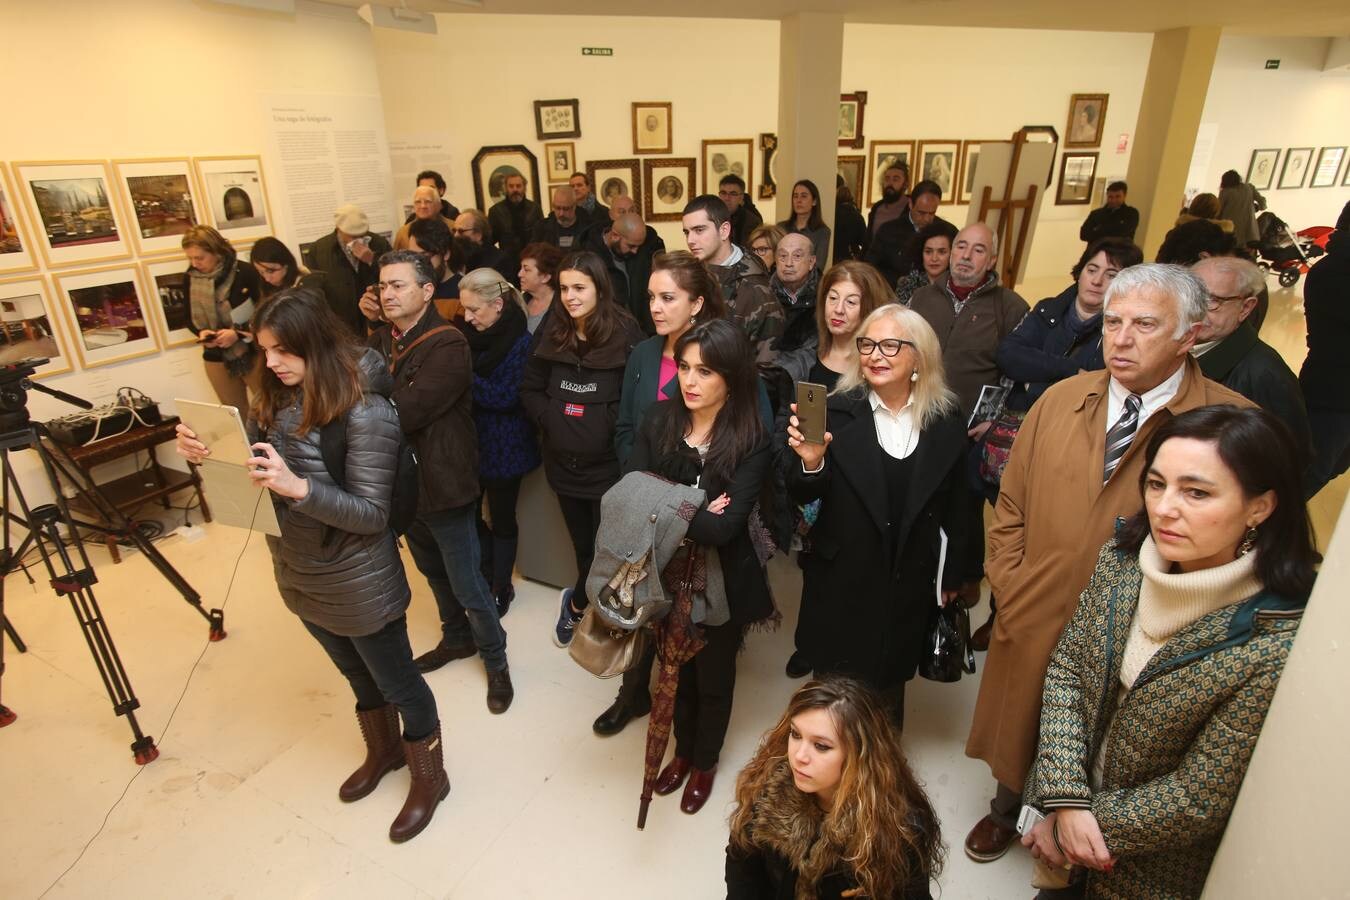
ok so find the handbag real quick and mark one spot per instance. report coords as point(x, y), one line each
point(604, 651)
point(947, 651)
point(996, 445)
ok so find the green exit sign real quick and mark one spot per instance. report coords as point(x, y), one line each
point(1272, 64)
point(597, 51)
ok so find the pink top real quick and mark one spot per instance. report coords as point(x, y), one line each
point(669, 369)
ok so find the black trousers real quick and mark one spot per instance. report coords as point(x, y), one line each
point(498, 541)
point(582, 517)
point(380, 669)
point(703, 698)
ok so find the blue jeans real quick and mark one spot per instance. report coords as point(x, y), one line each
point(380, 669)
point(444, 545)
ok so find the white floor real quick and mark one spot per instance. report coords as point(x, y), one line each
point(256, 732)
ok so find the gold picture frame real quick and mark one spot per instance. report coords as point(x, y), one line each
point(234, 191)
point(667, 185)
point(16, 240)
point(32, 326)
point(728, 156)
point(74, 210)
point(95, 338)
point(560, 160)
point(654, 136)
point(1087, 120)
point(166, 282)
point(152, 206)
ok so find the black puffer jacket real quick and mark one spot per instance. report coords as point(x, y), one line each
point(355, 584)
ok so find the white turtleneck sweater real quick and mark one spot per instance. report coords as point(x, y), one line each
point(1168, 602)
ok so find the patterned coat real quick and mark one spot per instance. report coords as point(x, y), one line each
point(1182, 737)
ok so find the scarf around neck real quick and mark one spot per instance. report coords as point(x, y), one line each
point(492, 345)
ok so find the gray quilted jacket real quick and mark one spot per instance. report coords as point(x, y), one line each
point(355, 585)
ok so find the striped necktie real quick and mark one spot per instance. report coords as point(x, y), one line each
point(1121, 434)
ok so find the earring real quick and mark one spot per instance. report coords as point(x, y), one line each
point(693, 320)
point(913, 376)
point(1248, 541)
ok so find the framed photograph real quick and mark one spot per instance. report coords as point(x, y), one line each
point(881, 156)
point(236, 196)
point(557, 119)
point(938, 161)
point(614, 178)
point(667, 185)
point(73, 212)
point(166, 280)
point(1261, 170)
point(652, 127)
point(30, 326)
point(1087, 120)
point(1076, 172)
point(970, 157)
point(768, 180)
point(1328, 167)
point(728, 156)
point(107, 312)
point(492, 165)
point(1297, 161)
point(16, 242)
point(851, 109)
point(161, 200)
point(853, 169)
point(561, 161)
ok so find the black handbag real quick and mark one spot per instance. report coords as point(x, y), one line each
point(947, 651)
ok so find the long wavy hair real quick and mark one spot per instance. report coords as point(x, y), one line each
point(875, 292)
point(302, 323)
point(880, 816)
point(607, 319)
point(932, 398)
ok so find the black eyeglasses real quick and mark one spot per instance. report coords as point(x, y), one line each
point(888, 346)
point(1215, 302)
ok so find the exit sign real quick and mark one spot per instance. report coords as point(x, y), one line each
point(1272, 64)
point(597, 51)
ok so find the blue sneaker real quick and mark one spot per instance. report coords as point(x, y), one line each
point(567, 620)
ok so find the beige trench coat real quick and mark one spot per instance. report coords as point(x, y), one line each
point(1053, 515)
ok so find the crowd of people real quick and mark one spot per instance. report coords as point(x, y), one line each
point(1147, 457)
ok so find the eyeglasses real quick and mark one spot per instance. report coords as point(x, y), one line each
point(888, 347)
point(1215, 301)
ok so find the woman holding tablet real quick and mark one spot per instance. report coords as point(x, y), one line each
point(337, 564)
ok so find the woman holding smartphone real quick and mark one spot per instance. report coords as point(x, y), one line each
point(222, 293)
point(337, 563)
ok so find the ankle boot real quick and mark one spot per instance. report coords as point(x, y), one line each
point(430, 785)
point(384, 751)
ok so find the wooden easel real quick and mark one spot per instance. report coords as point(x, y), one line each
point(1010, 250)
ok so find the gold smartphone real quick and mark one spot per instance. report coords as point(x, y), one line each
point(811, 411)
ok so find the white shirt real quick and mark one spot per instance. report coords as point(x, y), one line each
point(1152, 401)
point(897, 432)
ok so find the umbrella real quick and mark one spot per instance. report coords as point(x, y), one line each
point(677, 640)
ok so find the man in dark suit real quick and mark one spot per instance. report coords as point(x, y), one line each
point(347, 258)
point(889, 251)
point(627, 247)
point(1115, 219)
point(514, 216)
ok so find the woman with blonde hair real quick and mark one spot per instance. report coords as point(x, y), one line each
point(763, 243)
point(891, 482)
point(223, 292)
point(829, 808)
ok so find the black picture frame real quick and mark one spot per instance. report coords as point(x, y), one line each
point(555, 119)
point(502, 156)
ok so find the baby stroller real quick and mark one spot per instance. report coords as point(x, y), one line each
point(1284, 253)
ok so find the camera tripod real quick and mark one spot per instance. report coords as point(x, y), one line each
point(71, 575)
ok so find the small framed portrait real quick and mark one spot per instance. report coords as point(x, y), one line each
point(728, 156)
point(1328, 167)
point(557, 119)
point(1297, 161)
point(161, 197)
point(16, 242)
point(493, 165)
point(768, 149)
point(107, 311)
point(970, 157)
point(615, 178)
point(938, 161)
point(31, 326)
point(166, 279)
point(1087, 120)
point(1261, 170)
point(560, 159)
point(880, 157)
point(667, 185)
point(74, 214)
point(236, 196)
point(652, 127)
point(851, 109)
point(853, 169)
point(1076, 172)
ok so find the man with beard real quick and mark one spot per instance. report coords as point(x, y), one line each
point(744, 217)
point(893, 200)
point(473, 228)
point(627, 247)
point(563, 227)
point(889, 250)
point(514, 216)
point(794, 281)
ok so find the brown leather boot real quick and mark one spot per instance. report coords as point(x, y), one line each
point(430, 785)
point(384, 751)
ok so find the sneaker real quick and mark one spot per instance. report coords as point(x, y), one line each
point(567, 619)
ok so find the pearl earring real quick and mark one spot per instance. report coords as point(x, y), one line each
point(913, 376)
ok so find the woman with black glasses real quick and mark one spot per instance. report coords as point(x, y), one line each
point(890, 477)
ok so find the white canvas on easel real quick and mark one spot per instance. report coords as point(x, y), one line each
point(992, 172)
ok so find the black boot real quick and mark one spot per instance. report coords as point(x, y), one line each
point(503, 564)
point(621, 712)
point(500, 693)
point(430, 785)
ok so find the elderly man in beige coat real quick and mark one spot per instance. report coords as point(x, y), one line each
point(1074, 469)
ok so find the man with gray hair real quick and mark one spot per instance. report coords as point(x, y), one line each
point(564, 226)
point(1230, 352)
point(426, 205)
point(1074, 469)
point(794, 282)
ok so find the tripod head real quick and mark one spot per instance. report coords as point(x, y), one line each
point(14, 384)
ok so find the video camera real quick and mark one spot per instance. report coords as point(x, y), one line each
point(14, 385)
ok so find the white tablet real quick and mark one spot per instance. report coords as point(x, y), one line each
point(218, 427)
point(232, 495)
